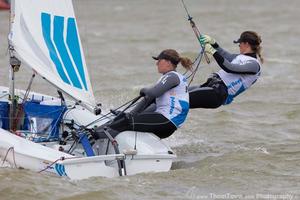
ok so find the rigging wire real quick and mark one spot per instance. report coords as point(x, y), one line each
point(52, 163)
point(49, 166)
point(200, 56)
point(202, 52)
point(131, 102)
point(196, 62)
point(196, 30)
point(20, 109)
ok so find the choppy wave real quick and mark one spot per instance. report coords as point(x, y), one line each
point(282, 61)
point(248, 147)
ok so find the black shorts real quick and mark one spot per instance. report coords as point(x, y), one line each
point(145, 122)
point(211, 94)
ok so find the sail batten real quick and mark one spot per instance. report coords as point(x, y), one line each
point(44, 35)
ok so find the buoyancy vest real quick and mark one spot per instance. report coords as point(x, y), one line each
point(174, 104)
point(238, 83)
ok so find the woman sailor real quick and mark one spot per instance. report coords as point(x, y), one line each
point(238, 73)
point(171, 98)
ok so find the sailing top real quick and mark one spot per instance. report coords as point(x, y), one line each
point(171, 96)
point(239, 71)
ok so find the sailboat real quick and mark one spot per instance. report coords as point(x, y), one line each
point(48, 134)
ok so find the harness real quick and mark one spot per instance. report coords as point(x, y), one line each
point(218, 85)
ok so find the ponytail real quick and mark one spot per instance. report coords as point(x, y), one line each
point(186, 63)
point(258, 52)
point(256, 46)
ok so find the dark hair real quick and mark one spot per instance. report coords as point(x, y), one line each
point(254, 40)
point(174, 57)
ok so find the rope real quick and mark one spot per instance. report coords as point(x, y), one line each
point(20, 109)
point(5, 157)
point(197, 67)
point(195, 29)
point(50, 165)
point(132, 101)
point(193, 63)
point(62, 159)
point(73, 146)
point(121, 163)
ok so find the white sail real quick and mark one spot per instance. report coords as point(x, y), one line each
point(44, 35)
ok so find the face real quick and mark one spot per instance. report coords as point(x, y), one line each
point(245, 48)
point(164, 66)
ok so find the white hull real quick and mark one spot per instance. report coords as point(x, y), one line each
point(22, 153)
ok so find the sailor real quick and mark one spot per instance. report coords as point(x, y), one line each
point(164, 106)
point(238, 71)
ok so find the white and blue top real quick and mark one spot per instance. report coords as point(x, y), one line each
point(238, 83)
point(171, 96)
point(239, 71)
point(174, 104)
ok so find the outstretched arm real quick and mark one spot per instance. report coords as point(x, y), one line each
point(225, 58)
point(249, 67)
point(225, 54)
point(206, 39)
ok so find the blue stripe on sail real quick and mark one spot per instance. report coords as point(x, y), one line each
point(73, 44)
point(61, 47)
point(46, 27)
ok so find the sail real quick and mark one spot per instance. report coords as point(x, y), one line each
point(44, 35)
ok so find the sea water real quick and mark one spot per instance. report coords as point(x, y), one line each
point(249, 149)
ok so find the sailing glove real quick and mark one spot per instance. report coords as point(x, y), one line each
point(209, 49)
point(206, 39)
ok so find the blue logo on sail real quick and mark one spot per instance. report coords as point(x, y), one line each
point(66, 56)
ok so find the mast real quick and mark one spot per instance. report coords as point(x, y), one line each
point(11, 97)
point(11, 77)
point(14, 67)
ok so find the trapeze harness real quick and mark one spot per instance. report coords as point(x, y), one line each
point(238, 73)
point(169, 113)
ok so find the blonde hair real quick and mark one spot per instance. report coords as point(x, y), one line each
point(184, 61)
